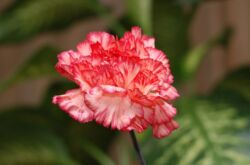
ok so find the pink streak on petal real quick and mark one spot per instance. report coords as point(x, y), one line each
point(129, 71)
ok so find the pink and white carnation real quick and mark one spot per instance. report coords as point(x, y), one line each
point(123, 83)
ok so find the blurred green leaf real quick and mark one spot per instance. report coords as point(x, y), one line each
point(188, 2)
point(140, 12)
point(32, 17)
point(26, 138)
point(96, 153)
point(27, 123)
point(194, 58)
point(170, 28)
point(237, 81)
point(11, 5)
point(41, 63)
point(122, 148)
point(209, 133)
point(91, 132)
point(76, 134)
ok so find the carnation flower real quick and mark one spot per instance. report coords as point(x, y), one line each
point(124, 84)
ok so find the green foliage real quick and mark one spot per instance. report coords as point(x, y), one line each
point(96, 153)
point(195, 57)
point(41, 63)
point(237, 81)
point(140, 12)
point(209, 134)
point(83, 140)
point(12, 6)
point(31, 17)
point(26, 138)
point(188, 2)
point(123, 151)
point(170, 28)
point(48, 135)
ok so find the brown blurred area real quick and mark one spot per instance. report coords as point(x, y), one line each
point(211, 18)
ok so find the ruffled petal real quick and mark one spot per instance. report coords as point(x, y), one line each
point(65, 61)
point(137, 96)
point(146, 82)
point(163, 113)
point(170, 93)
point(137, 124)
point(141, 50)
point(129, 70)
point(144, 116)
point(111, 105)
point(148, 41)
point(106, 40)
point(154, 66)
point(157, 55)
point(72, 102)
point(136, 32)
point(84, 48)
point(165, 129)
point(88, 76)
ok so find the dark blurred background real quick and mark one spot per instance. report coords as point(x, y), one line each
point(207, 41)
